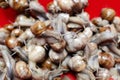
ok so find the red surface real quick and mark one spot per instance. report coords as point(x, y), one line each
point(94, 8)
point(69, 75)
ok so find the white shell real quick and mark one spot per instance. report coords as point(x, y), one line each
point(76, 64)
point(36, 53)
point(65, 4)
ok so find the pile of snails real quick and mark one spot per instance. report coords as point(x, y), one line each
point(42, 45)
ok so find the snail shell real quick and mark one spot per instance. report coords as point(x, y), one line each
point(16, 32)
point(108, 14)
point(106, 60)
point(76, 64)
point(19, 5)
point(57, 57)
point(63, 4)
point(36, 53)
point(38, 28)
point(12, 42)
point(22, 70)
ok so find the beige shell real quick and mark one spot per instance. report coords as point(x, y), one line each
point(76, 64)
point(36, 53)
point(22, 70)
point(57, 57)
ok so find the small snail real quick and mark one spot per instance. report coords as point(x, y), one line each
point(19, 5)
point(16, 32)
point(58, 47)
point(9, 27)
point(12, 42)
point(64, 5)
point(22, 70)
point(38, 28)
point(108, 14)
point(76, 64)
point(47, 64)
point(106, 60)
point(24, 21)
point(75, 6)
point(53, 7)
point(57, 57)
point(3, 4)
point(36, 53)
point(99, 22)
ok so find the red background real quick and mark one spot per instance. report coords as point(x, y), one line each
point(94, 8)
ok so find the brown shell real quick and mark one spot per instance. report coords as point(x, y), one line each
point(47, 64)
point(58, 47)
point(9, 27)
point(106, 60)
point(20, 5)
point(12, 42)
point(38, 28)
point(108, 14)
point(16, 32)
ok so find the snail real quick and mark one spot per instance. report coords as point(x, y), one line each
point(3, 4)
point(108, 14)
point(12, 42)
point(9, 27)
point(73, 7)
point(103, 37)
point(22, 20)
point(76, 64)
point(36, 53)
point(99, 22)
point(57, 57)
point(42, 45)
point(14, 45)
point(54, 39)
point(18, 5)
point(77, 41)
point(106, 60)
point(38, 28)
point(16, 32)
point(22, 70)
point(48, 64)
